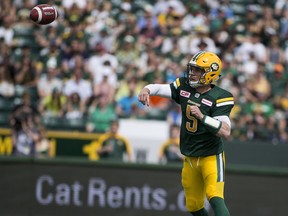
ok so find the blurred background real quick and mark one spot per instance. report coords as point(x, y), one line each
point(64, 85)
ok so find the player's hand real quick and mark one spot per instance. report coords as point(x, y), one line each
point(144, 96)
point(195, 111)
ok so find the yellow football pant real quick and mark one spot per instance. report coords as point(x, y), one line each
point(202, 176)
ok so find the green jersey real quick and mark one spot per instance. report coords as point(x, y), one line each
point(195, 138)
point(119, 144)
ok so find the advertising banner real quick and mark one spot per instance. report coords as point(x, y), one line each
point(64, 187)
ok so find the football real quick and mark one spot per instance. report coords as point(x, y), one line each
point(43, 14)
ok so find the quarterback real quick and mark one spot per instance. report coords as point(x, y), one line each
point(205, 121)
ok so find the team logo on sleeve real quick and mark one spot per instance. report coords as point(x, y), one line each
point(185, 94)
point(206, 102)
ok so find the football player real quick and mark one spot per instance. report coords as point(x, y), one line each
point(205, 121)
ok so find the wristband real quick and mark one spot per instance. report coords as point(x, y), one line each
point(213, 124)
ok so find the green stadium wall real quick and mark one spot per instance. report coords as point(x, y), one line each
point(82, 145)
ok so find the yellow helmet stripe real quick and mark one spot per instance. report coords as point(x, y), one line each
point(225, 99)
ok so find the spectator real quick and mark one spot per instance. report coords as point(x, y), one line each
point(24, 137)
point(6, 30)
point(48, 81)
point(172, 16)
point(53, 105)
point(107, 75)
point(174, 116)
point(50, 56)
point(249, 69)
point(278, 79)
point(7, 89)
point(170, 150)
point(127, 53)
point(247, 24)
point(101, 112)
point(8, 8)
point(79, 85)
point(254, 45)
point(42, 146)
point(202, 36)
point(106, 88)
point(68, 4)
point(173, 69)
point(194, 19)
point(26, 128)
point(147, 16)
point(267, 24)
point(74, 57)
point(52, 37)
point(75, 107)
point(101, 58)
point(279, 7)
point(106, 37)
point(150, 34)
point(281, 113)
point(124, 86)
point(23, 109)
point(172, 45)
point(25, 73)
point(284, 25)
point(275, 53)
point(259, 85)
point(113, 146)
point(128, 106)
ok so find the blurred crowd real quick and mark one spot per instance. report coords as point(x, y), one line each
point(87, 67)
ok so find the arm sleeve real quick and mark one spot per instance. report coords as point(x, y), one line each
point(223, 119)
point(162, 90)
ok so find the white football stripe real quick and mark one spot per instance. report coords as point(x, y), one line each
point(221, 168)
point(225, 103)
point(39, 14)
point(175, 85)
point(55, 13)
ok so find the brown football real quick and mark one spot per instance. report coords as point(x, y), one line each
point(43, 14)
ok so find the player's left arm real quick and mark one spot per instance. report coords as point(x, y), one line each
point(225, 129)
point(218, 125)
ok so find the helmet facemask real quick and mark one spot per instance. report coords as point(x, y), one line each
point(193, 72)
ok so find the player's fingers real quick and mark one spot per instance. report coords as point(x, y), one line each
point(144, 99)
point(191, 108)
point(141, 98)
point(148, 100)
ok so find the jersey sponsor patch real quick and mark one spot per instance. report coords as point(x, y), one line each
point(185, 94)
point(194, 103)
point(225, 101)
point(206, 102)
